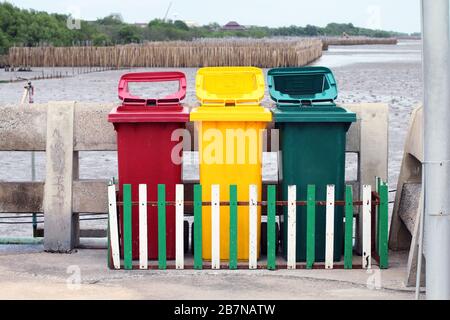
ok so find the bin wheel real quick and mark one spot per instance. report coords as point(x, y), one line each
point(186, 236)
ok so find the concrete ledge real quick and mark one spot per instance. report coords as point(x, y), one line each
point(23, 127)
point(92, 131)
point(21, 197)
point(89, 196)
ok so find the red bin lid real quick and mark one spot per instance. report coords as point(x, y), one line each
point(138, 109)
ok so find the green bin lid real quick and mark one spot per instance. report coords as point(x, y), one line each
point(306, 95)
point(302, 85)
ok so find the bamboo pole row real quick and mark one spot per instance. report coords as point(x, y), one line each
point(353, 41)
point(3, 60)
point(200, 53)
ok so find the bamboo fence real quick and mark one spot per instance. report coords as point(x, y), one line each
point(354, 41)
point(266, 53)
point(3, 60)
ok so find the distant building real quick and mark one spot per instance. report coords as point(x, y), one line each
point(141, 25)
point(191, 24)
point(233, 26)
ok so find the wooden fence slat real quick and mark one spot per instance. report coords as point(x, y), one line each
point(292, 224)
point(127, 229)
point(233, 227)
point(271, 213)
point(348, 244)
point(311, 227)
point(366, 223)
point(198, 261)
point(179, 232)
point(329, 248)
point(113, 227)
point(215, 227)
point(143, 240)
point(109, 261)
point(383, 227)
point(253, 222)
point(162, 258)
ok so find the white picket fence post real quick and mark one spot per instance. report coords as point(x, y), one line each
point(367, 226)
point(329, 246)
point(292, 228)
point(215, 227)
point(253, 222)
point(143, 248)
point(179, 226)
point(113, 226)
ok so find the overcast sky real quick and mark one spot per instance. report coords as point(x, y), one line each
point(396, 15)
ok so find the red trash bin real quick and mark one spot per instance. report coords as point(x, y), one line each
point(144, 147)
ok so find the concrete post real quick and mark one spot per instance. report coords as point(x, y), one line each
point(58, 223)
point(436, 55)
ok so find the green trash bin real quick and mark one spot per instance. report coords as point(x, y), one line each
point(312, 132)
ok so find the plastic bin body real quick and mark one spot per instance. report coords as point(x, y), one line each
point(230, 112)
point(307, 159)
point(313, 143)
point(144, 148)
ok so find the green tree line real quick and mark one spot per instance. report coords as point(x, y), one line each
point(22, 27)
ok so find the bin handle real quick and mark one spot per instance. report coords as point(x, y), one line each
point(299, 102)
point(129, 99)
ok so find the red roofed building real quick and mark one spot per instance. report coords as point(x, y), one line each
point(233, 26)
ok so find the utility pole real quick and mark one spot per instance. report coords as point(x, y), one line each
point(167, 12)
point(436, 167)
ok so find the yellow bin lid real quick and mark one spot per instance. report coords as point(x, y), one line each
point(230, 85)
point(230, 94)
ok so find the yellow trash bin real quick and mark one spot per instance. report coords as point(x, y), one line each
point(230, 124)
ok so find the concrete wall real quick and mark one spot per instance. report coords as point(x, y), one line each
point(35, 127)
point(404, 232)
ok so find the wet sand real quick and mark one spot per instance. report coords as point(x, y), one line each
point(387, 74)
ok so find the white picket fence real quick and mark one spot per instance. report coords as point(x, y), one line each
point(117, 240)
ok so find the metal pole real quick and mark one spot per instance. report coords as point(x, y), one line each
point(28, 94)
point(436, 68)
point(33, 178)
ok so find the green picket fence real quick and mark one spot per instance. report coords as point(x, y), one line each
point(373, 218)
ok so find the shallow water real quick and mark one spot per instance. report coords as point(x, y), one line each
point(339, 56)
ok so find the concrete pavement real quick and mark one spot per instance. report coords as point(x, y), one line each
point(26, 272)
